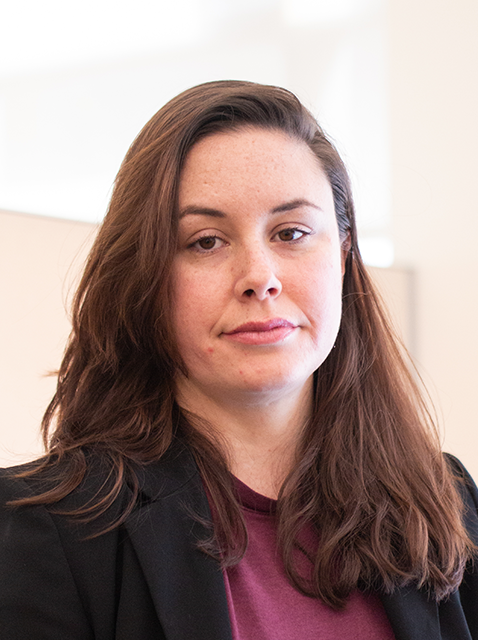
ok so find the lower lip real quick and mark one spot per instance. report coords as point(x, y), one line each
point(272, 336)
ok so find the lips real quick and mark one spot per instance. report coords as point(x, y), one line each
point(261, 333)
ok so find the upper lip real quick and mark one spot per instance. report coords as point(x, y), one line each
point(266, 325)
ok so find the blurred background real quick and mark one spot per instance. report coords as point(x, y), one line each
point(393, 82)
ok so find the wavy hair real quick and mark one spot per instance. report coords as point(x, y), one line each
point(370, 477)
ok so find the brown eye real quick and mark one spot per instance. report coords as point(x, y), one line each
point(286, 235)
point(207, 243)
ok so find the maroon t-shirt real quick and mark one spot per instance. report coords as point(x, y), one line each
point(263, 605)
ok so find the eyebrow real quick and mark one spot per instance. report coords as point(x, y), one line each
point(193, 210)
point(295, 204)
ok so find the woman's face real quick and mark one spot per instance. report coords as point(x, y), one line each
point(257, 277)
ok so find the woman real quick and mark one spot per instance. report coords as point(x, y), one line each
point(239, 449)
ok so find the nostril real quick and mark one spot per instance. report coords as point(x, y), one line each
point(249, 292)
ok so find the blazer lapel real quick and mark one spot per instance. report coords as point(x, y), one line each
point(186, 586)
point(415, 616)
point(412, 615)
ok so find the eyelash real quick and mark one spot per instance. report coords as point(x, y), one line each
point(195, 245)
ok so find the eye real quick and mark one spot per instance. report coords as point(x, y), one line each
point(207, 243)
point(291, 234)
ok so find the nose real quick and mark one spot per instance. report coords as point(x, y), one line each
point(257, 276)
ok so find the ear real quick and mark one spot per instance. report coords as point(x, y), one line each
point(346, 246)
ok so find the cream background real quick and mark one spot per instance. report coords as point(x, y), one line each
point(434, 141)
point(40, 259)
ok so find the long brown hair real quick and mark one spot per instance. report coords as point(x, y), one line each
point(370, 476)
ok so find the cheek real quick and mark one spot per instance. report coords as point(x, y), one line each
point(183, 303)
point(321, 296)
point(196, 303)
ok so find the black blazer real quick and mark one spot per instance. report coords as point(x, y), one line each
point(146, 579)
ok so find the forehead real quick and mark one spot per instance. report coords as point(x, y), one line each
point(250, 161)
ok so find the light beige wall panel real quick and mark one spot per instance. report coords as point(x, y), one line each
point(40, 259)
point(397, 290)
point(434, 102)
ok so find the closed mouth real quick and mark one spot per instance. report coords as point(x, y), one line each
point(262, 333)
point(261, 326)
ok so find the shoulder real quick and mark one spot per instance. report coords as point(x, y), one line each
point(73, 574)
point(462, 604)
point(469, 494)
point(174, 470)
point(173, 474)
point(459, 471)
point(31, 553)
point(12, 487)
point(32, 531)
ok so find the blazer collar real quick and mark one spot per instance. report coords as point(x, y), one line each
point(186, 586)
point(175, 470)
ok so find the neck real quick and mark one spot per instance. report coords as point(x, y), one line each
point(260, 438)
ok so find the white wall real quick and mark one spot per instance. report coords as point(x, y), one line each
point(69, 111)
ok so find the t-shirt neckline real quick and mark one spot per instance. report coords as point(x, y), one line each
point(250, 499)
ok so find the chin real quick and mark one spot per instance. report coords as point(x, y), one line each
point(274, 386)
